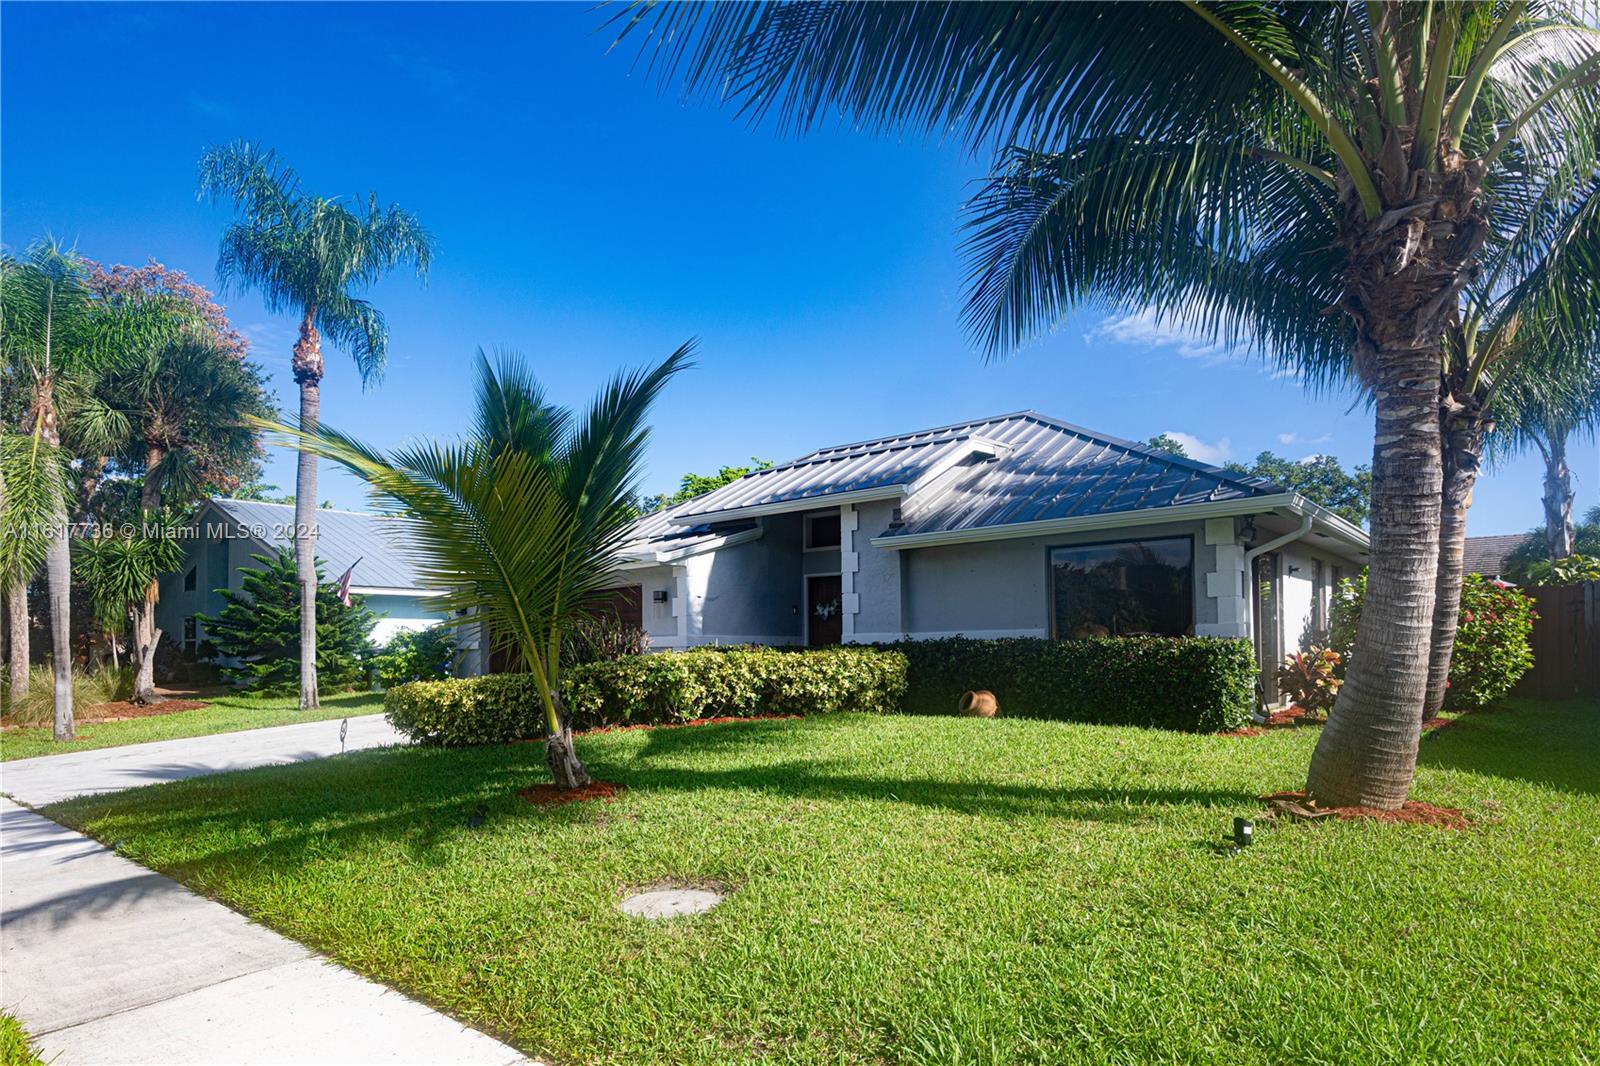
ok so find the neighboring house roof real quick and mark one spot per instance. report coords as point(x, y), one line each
point(1487, 555)
point(382, 543)
point(989, 477)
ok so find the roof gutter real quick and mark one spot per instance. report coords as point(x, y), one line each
point(802, 503)
point(1292, 502)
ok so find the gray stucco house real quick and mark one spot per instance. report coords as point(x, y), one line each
point(227, 533)
point(1019, 525)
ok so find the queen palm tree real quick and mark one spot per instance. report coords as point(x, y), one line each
point(518, 526)
point(1197, 152)
point(310, 256)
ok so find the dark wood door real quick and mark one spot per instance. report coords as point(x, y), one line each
point(824, 619)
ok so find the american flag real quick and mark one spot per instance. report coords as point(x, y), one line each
point(344, 583)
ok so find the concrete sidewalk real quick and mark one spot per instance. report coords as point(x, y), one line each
point(50, 778)
point(104, 961)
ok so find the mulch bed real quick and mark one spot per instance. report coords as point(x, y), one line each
point(550, 795)
point(1288, 718)
point(123, 710)
point(692, 722)
point(1298, 805)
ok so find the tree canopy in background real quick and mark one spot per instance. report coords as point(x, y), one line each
point(692, 485)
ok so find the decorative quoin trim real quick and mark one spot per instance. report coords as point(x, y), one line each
point(849, 563)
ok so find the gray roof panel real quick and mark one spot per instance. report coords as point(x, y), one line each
point(383, 544)
point(1047, 469)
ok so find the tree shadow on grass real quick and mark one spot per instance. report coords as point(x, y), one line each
point(1554, 744)
point(806, 779)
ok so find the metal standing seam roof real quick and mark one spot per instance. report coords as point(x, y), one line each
point(382, 543)
point(1042, 469)
point(661, 531)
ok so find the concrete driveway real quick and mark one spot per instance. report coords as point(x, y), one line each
point(51, 778)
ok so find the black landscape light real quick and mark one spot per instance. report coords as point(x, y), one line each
point(1243, 832)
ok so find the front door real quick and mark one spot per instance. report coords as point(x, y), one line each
point(824, 619)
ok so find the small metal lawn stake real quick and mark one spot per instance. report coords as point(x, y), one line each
point(1243, 832)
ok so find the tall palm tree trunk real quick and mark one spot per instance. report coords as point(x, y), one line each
point(146, 635)
point(57, 563)
point(19, 635)
point(308, 375)
point(58, 571)
point(1463, 426)
point(1557, 497)
point(1367, 753)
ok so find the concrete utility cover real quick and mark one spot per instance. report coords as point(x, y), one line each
point(671, 902)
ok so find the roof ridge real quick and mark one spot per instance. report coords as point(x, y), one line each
point(221, 500)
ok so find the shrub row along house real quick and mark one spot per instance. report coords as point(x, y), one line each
point(1018, 525)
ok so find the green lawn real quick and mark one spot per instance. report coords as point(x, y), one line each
point(227, 714)
point(15, 1049)
point(915, 890)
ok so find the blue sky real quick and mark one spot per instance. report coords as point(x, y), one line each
point(592, 222)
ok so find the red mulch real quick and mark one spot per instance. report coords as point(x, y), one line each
point(550, 795)
point(1284, 719)
point(694, 721)
point(123, 709)
point(1412, 813)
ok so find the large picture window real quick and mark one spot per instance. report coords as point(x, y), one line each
point(1125, 589)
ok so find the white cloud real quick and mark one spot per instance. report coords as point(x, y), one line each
point(1300, 438)
point(1145, 328)
point(1217, 453)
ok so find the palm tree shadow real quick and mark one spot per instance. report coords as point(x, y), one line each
point(821, 779)
point(1554, 744)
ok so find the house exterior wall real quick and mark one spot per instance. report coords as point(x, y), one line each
point(1001, 588)
point(879, 578)
point(401, 614)
point(219, 562)
point(751, 593)
point(1300, 589)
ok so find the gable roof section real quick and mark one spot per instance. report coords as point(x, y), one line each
point(383, 544)
point(968, 479)
point(875, 469)
point(1488, 555)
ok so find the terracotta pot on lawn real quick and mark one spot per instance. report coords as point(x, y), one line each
point(979, 704)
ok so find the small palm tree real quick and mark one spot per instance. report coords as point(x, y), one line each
point(1203, 154)
point(310, 256)
point(519, 525)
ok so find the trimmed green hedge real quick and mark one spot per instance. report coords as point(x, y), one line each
point(1199, 684)
point(651, 689)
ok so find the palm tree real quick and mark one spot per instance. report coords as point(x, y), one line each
point(1547, 421)
point(120, 570)
point(311, 256)
point(185, 402)
point(1201, 154)
point(32, 486)
point(518, 526)
point(54, 339)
